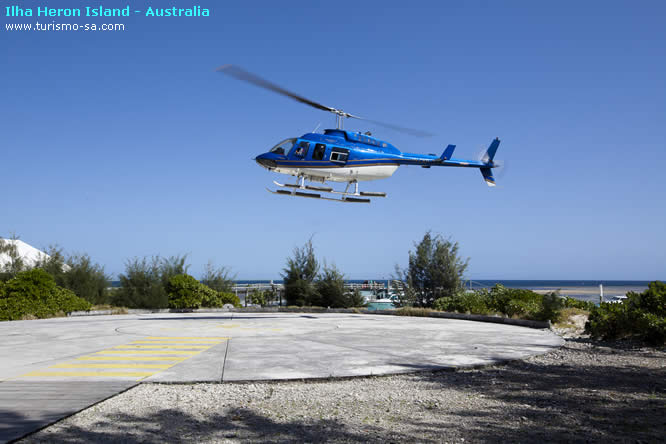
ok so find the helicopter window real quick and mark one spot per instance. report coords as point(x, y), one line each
point(339, 155)
point(319, 151)
point(283, 147)
point(302, 149)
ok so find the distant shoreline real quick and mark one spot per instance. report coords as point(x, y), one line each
point(584, 290)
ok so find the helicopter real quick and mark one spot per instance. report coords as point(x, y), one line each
point(350, 157)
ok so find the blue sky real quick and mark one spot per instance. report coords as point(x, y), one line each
point(129, 144)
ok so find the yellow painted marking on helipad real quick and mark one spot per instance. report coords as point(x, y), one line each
point(147, 352)
point(158, 366)
point(154, 348)
point(189, 337)
point(158, 346)
point(125, 374)
point(175, 359)
point(229, 326)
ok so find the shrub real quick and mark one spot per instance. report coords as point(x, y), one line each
point(86, 279)
point(209, 297)
point(185, 292)
point(608, 321)
point(413, 311)
point(257, 297)
point(551, 306)
point(35, 293)
point(474, 302)
point(143, 285)
point(641, 315)
point(229, 298)
point(511, 302)
point(79, 274)
point(577, 303)
point(355, 299)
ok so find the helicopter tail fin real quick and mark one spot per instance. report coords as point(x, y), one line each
point(489, 155)
point(487, 158)
point(487, 174)
point(448, 152)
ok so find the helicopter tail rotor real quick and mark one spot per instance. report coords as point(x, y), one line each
point(488, 159)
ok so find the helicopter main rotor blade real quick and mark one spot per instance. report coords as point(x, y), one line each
point(241, 74)
point(402, 129)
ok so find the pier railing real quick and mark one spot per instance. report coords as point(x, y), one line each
point(243, 290)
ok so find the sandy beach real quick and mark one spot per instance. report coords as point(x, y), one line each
point(591, 293)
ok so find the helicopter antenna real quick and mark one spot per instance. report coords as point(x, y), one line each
point(316, 128)
point(340, 115)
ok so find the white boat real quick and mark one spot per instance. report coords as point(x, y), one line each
point(617, 299)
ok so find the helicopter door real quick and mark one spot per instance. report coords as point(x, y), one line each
point(319, 151)
point(339, 155)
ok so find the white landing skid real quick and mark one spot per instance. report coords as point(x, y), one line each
point(302, 190)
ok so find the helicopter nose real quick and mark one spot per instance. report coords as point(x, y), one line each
point(265, 162)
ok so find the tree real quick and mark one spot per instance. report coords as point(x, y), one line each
point(87, 279)
point(219, 279)
point(140, 285)
point(54, 264)
point(143, 285)
point(435, 270)
point(77, 273)
point(331, 288)
point(355, 299)
point(172, 266)
point(299, 275)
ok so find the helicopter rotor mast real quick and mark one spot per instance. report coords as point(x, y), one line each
point(340, 115)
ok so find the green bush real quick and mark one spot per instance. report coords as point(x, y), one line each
point(511, 302)
point(143, 285)
point(86, 279)
point(209, 297)
point(608, 321)
point(474, 302)
point(551, 306)
point(577, 303)
point(184, 291)
point(257, 297)
point(641, 315)
point(229, 298)
point(355, 299)
point(34, 293)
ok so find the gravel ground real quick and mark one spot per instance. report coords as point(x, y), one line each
point(582, 392)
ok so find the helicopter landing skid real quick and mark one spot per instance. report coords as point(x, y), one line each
point(301, 190)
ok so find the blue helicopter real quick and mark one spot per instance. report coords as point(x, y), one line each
point(338, 155)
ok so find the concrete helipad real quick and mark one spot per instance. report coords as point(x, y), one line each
point(52, 368)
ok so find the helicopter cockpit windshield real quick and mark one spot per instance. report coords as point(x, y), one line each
point(283, 147)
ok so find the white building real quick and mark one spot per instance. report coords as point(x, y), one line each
point(28, 253)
